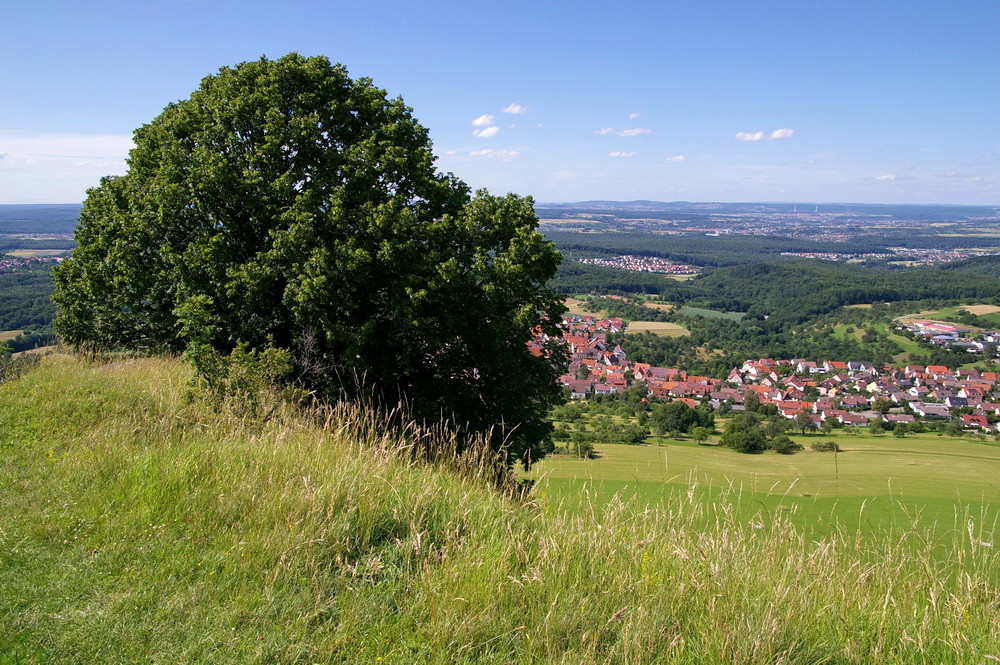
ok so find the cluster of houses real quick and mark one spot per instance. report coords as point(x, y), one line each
point(951, 336)
point(14, 263)
point(844, 391)
point(643, 264)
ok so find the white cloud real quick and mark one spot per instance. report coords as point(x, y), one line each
point(502, 155)
point(604, 130)
point(677, 158)
point(483, 120)
point(887, 177)
point(782, 133)
point(515, 108)
point(48, 168)
point(633, 115)
point(619, 153)
point(486, 132)
point(635, 132)
point(451, 152)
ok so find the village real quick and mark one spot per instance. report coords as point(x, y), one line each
point(842, 393)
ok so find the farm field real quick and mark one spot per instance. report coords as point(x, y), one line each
point(36, 253)
point(947, 314)
point(662, 306)
point(875, 482)
point(660, 328)
point(9, 334)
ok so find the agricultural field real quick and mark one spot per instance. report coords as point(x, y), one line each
point(990, 313)
point(36, 253)
point(9, 334)
point(662, 306)
point(875, 482)
point(661, 328)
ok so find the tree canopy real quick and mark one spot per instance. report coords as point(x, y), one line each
point(285, 205)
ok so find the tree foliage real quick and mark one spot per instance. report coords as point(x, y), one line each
point(285, 205)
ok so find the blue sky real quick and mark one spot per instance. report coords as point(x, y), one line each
point(881, 101)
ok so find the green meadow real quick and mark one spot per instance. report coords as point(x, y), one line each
point(142, 526)
point(873, 483)
point(711, 313)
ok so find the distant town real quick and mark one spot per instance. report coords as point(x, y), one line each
point(841, 392)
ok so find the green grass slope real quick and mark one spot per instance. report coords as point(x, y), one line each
point(138, 527)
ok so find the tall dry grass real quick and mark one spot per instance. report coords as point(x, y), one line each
point(141, 527)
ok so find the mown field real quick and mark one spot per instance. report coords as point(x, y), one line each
point(875, 482)
point(660, 328)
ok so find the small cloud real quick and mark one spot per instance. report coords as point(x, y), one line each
point(483, 120)
point(486, 132)
point(783, 133)
point(633, 115)
point(514, 108)
point(635, 132)
point(887, 177)
point(604, 130)
point(677, 158)
point(502, 155)
point(451, 152)
point(619, 153)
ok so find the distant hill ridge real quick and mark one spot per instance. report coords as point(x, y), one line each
point(39, 218)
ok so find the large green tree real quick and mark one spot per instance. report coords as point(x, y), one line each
point(286, 205)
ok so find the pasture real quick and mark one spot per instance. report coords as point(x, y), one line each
point(875, 482)
point(9, 334)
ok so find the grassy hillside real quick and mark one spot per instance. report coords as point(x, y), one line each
point(139, 527)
